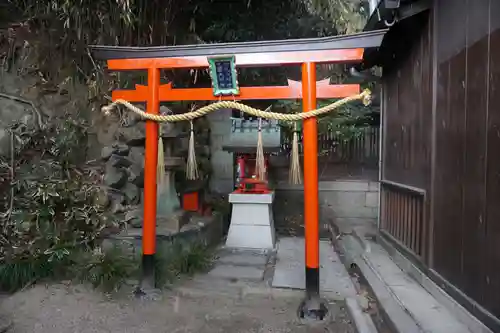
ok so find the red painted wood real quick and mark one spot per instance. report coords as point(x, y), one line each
point(292, 91)
point(243, 60)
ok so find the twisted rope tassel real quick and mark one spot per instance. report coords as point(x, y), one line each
point(295, 174)
point(260, 167)
point(160, 165)
point(192, 166)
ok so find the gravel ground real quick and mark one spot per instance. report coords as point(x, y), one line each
point(72, 309)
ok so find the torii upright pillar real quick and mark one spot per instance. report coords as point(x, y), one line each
point(150, 188)
point(311, 201)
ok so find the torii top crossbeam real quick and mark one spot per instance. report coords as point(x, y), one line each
point(304, 52)
point(265, 53)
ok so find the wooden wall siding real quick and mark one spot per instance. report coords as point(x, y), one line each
point(450, 141)
point(465, 203)
point(465, 196)
point(402, 217)
point(407, 111)
point(407, 142)
point(492, 221)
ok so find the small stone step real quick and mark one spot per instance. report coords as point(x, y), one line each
point(244, 259)
point(247, 273)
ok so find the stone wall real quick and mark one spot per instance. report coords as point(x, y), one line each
point(221, 161)
point(207, 229)
point(348, 199)
point(124, 166)
point(351, 199)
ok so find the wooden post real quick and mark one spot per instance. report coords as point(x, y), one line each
point(311, 201)
point(150, 166)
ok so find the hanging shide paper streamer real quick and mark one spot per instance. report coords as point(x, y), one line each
point(161, 180)
point(260, 167)
point(295, 174)
point(192, 166)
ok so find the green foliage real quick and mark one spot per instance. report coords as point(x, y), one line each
point(347, 122)
point(48, 193)
point(108, 270)
point(17, 274)
point(224, 21)
point(181, 258)
point(53, 224)
point(50, 206)
point(348, 16)
point(64, 28)
point(59, 26)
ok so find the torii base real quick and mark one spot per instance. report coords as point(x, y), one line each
point(313, 308)
point(252, 223)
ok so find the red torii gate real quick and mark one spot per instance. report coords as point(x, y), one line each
point(306, 52)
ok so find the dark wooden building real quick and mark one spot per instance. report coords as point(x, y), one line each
point(440, 179)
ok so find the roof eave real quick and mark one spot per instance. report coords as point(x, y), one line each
point(365, 40)
point(388, 18)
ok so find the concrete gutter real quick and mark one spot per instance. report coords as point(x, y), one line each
point(397, 318)
point(407, 305)
point(439, 294)
point(362, 320)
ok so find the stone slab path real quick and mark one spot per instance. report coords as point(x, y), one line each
point(289, 273)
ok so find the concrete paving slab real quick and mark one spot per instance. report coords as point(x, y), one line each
point(243, 259)
point(238, 272)
point(290, 272)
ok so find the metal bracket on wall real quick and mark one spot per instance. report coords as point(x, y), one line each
point(389, 12)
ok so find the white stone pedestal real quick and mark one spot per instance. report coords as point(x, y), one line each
point(252, 224)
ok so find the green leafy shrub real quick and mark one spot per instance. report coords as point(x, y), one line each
point(52, 223)
point(48, 193)
point(17, 274)
point(108, 269)
point(181, 258)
